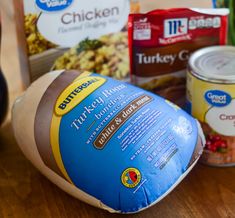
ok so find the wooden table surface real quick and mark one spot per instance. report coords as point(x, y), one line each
point(24, 192)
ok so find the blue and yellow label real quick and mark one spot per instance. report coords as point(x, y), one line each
point(116, 142)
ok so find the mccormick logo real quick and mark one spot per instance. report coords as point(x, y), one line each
point(175, 27)
point(53, 5)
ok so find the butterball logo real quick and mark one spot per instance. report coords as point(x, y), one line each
point(53, 5)
point(218, 98)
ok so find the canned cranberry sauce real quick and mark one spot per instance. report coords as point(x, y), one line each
point(211, 99)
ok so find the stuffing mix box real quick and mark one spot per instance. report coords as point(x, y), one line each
point(74, 34)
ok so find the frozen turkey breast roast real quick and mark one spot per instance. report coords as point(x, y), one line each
point(106, 142)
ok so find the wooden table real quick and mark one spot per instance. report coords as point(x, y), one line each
point(24, 192)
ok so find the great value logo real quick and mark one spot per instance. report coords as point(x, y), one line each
point(218, 98)
point(175, 27)
point(53, 5)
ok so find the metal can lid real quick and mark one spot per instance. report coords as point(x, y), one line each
point(215, 64)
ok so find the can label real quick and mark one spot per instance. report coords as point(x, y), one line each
point(213, 105)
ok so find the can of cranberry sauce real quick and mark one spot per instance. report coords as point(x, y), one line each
point(211, 99)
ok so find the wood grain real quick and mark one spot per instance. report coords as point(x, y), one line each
point(206, 192)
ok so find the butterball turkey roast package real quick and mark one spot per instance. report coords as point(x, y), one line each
point(73, 34)
point(108, 143)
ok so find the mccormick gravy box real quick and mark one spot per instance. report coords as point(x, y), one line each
point(161, 42)
point(74, 34)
